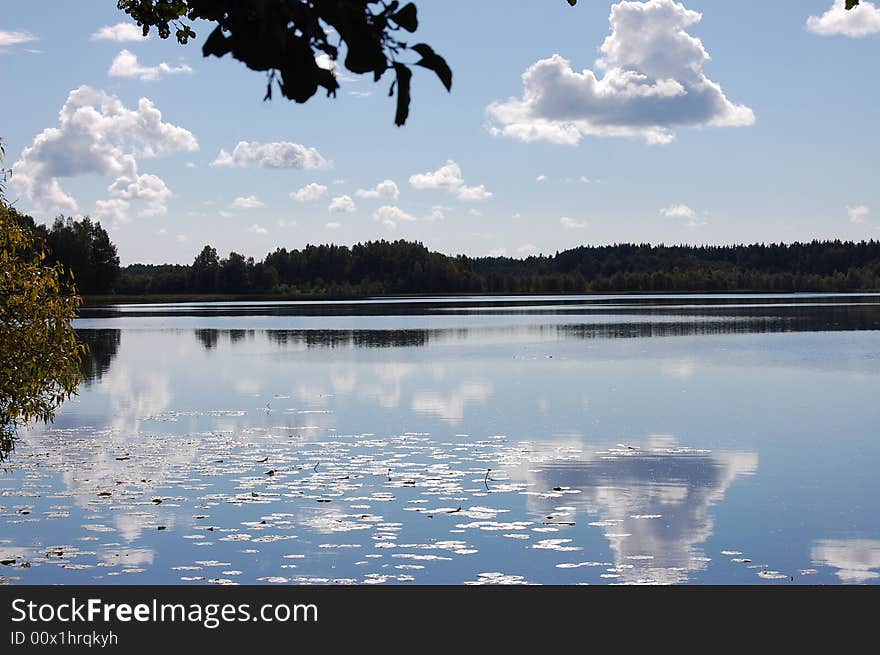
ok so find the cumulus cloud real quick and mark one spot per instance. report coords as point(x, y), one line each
point(527, 249)
point(386, 189)
point(148, 188)
point(571, 224)
point(247, 202)
point(114, 211)
point(126, 64)
point(333, 225)
point(390, 216)
point(473, 193)
point(683, 211)
point(309, 193)
point(15, 37)
point(652, 82)
point(438, 213)
point(449, 178)
point(277, 155)
point(862, 20)
point(257, 229)
point(342, 205)
point(98, 135)
point(541, 178)
point(678, 211)
point(120, 33)
point(858, 213)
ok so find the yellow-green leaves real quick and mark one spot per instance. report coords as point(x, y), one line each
point(40, 357)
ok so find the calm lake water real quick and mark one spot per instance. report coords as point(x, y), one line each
point(557, 440)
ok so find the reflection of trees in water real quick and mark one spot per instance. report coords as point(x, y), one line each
point(208, 338)
point(752, 321)
point(653, 502)
point(103, 347)
point(236, 336)
point(617, 323)
point(350, 338)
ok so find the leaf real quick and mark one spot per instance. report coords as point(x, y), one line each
point(849, 4)
point(404, 76)
point(216, 44)
point(407, 18)
point(432, 61)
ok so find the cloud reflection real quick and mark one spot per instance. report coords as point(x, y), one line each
point(450, 407)
point(854, 559)
point(653, 501)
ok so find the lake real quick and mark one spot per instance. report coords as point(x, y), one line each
point(723, 439)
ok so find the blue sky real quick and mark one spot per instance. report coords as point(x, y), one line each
point(710, 122)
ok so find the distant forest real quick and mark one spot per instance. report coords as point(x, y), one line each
point(402, 267)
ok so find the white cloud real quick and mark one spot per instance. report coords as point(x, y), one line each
point(150, 189)
point(473, 193)
point(438, 213)
point(324, 61)
point(247, 202)
point(126, 64)
point(277, 155)
point(181, 238)
point(678, 211)
point(527, 249)
point(115, 210)
point(858, 213)
point(653, 81)
point(342, 205)
point(862, 20)
point(14, 37)
point(97, 135)
point(541, 178)
point(309, 193)
point(449, 177)
point(390, 216)
point(571, 224)
point(683, 211)
point(386, 189)
point(497, 252)
point(121, 32)
point(257, 229)
point(333, 225)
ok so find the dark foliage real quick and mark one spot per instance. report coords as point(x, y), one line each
point(288, 39)
point(83, 247)
point(401, 267)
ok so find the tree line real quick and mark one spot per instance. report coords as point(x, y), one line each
point(404, 267)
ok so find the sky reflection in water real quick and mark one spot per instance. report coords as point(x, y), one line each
point(575, 440)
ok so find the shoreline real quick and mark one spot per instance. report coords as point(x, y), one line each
point(170, 299)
